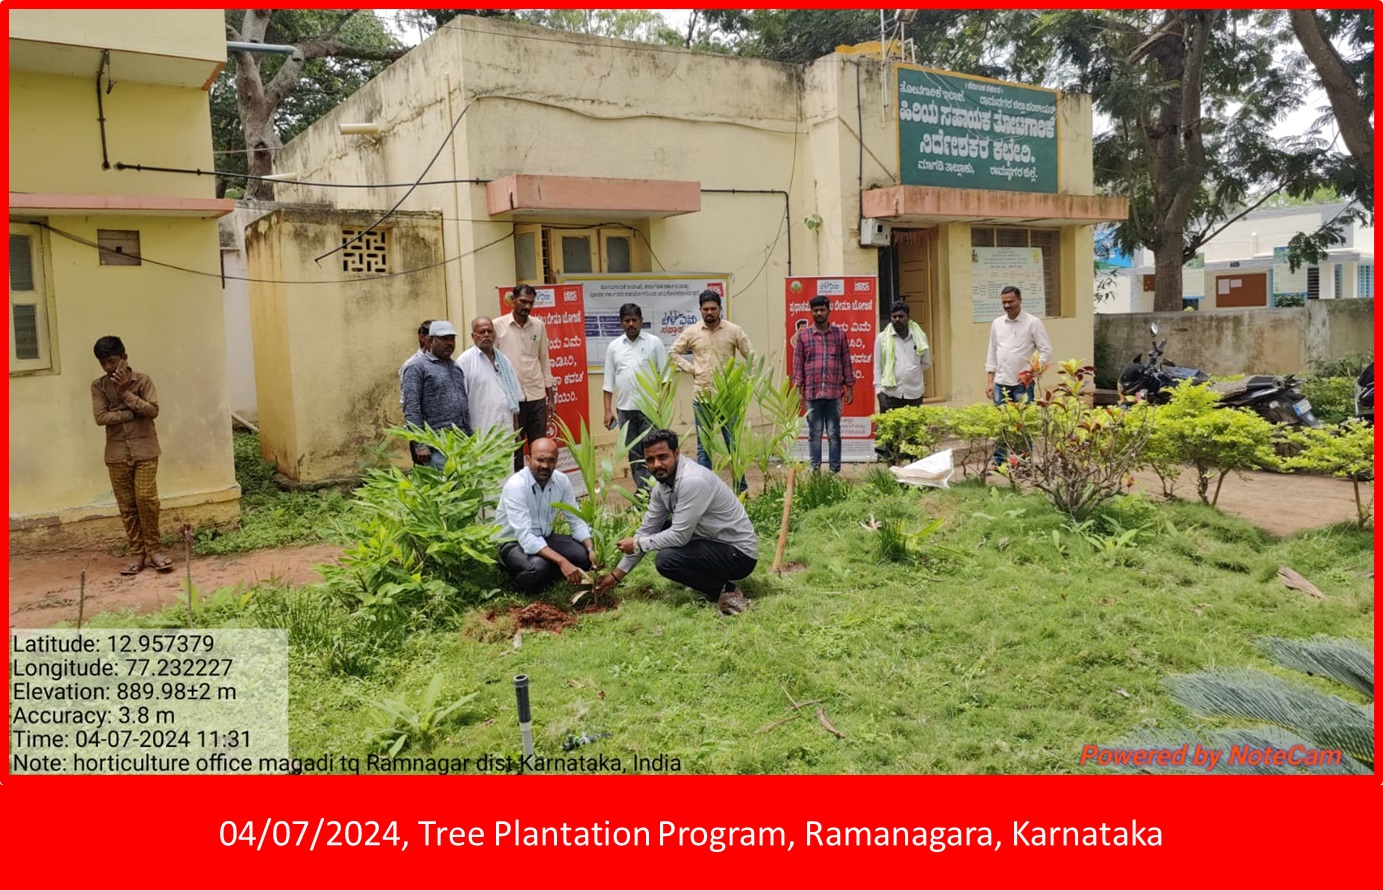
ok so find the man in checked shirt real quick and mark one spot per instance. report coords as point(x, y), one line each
point(823, 374)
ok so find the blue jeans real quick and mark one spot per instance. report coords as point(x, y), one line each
point(701, 413)
point(1004, 392)
point(823, 413)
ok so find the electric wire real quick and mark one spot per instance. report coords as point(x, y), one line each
point(224, 277)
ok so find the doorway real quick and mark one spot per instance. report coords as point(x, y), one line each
point(917, 286)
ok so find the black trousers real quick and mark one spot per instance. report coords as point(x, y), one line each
point(638, 428)
point(532, 422)
point(888, 403)
point(530, 573)
point(704, 565)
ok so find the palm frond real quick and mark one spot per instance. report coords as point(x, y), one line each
point(1347, 662)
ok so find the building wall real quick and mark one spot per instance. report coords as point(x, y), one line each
point(1247, 341)
point(327, 354)
point(550, 103)
point(170, 319)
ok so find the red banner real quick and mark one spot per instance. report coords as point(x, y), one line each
point(561, 307)
point(855, 308)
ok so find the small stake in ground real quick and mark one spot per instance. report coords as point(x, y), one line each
point(525, 716)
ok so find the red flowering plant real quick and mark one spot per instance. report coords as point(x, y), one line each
point(1076, 454)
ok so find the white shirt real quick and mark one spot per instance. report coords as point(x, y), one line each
point(907, 366)
point(526, 510)
point(624, 359)
point(485, 392)
point(1012, 341)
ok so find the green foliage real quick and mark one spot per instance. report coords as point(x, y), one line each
point(1294, 713)
point(1350, 365)
point(815, 490)
point(1078, 456)
point(1345, 451)
point(1107, 365)
point(761, 410)
point(655, 396)
point(897, 544)
point(269, 516)
point(421, 547)
point(1332, 398)
point(977, 425)
point(913, 432)
point(406, 725)
point(609, 525)
point(1289, 301)
point(1214, 441)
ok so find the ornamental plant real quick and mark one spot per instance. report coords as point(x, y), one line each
point(914, 432)
point(421, 541)
point(1077, 455)
point(1344, 451)
point(1214, 441)
point(976, 425)
point(761, 410)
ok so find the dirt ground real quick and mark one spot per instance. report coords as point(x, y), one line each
point(43, 589)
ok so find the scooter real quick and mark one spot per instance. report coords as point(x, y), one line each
point(1274, 398)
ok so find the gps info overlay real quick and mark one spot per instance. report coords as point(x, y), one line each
point(148, 701)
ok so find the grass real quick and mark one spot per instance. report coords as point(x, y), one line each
point(1002, 645)
point(269, 515)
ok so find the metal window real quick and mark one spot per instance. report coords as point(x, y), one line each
point(1365, 281)
point(30, 340)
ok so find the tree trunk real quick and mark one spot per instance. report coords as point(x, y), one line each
point(1351, 114)
point(1167, 265)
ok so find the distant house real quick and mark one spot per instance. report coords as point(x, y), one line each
point(98, 250)
point(1245, 266)
point(550, 154)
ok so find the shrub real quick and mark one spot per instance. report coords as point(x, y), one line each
point(609, 523)
point(1289, 301)
point(1214, 441)
point(1345, 451)
point(1078, 456)
point(1350, 365)
point(977, 425)
point(912, 433)
point(1332, 398)
point(421, 545)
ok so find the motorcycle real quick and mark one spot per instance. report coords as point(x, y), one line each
point(1363, 395)
point(1274, 398)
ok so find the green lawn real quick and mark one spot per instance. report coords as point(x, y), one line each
point(1007, 643)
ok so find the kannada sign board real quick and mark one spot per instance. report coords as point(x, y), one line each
point(670, 302)
point(560, 309)
point(994, 268)
point(854, 307)
point(956, 131)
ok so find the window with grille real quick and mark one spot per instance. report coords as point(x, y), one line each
point(1048, 240)
point(30, 345)
point(542, 254)
point(1366, 281)
point(1339, 281)
point(1313, 282)
point(367, 252)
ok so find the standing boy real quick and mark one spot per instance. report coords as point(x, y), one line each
point(125, 403)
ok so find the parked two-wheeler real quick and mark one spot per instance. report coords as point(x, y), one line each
point(1363, 395)
point(1274, 398)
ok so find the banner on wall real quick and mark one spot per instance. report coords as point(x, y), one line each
point(561, 308)
point(669, 302)
point(854, 307)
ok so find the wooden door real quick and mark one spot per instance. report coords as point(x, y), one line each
point(917, 284)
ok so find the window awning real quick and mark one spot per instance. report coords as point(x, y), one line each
point(926, 205)
point(52, 204)
point(525, 196)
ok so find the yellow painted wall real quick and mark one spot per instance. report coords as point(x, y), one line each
point(327, 354)
point(186, 33)
point(55, 142)
point(592, 107)
point(171, 320)
point(172, 326)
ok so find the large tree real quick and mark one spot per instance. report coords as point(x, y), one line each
point(1347, 80)
point(276, 96)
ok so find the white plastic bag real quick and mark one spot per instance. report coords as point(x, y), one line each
point(934, 471)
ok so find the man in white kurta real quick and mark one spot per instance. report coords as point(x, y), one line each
point(492, 387)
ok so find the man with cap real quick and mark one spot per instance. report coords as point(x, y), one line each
point(434, 392)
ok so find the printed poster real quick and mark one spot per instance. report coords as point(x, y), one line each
point(994, 268)
point(854, 307)
point(561, 308)
point(670, 302)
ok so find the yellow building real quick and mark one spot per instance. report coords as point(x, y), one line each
point(90, 90)
point(559, 153)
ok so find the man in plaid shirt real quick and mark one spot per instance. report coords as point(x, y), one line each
point(822, 373)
